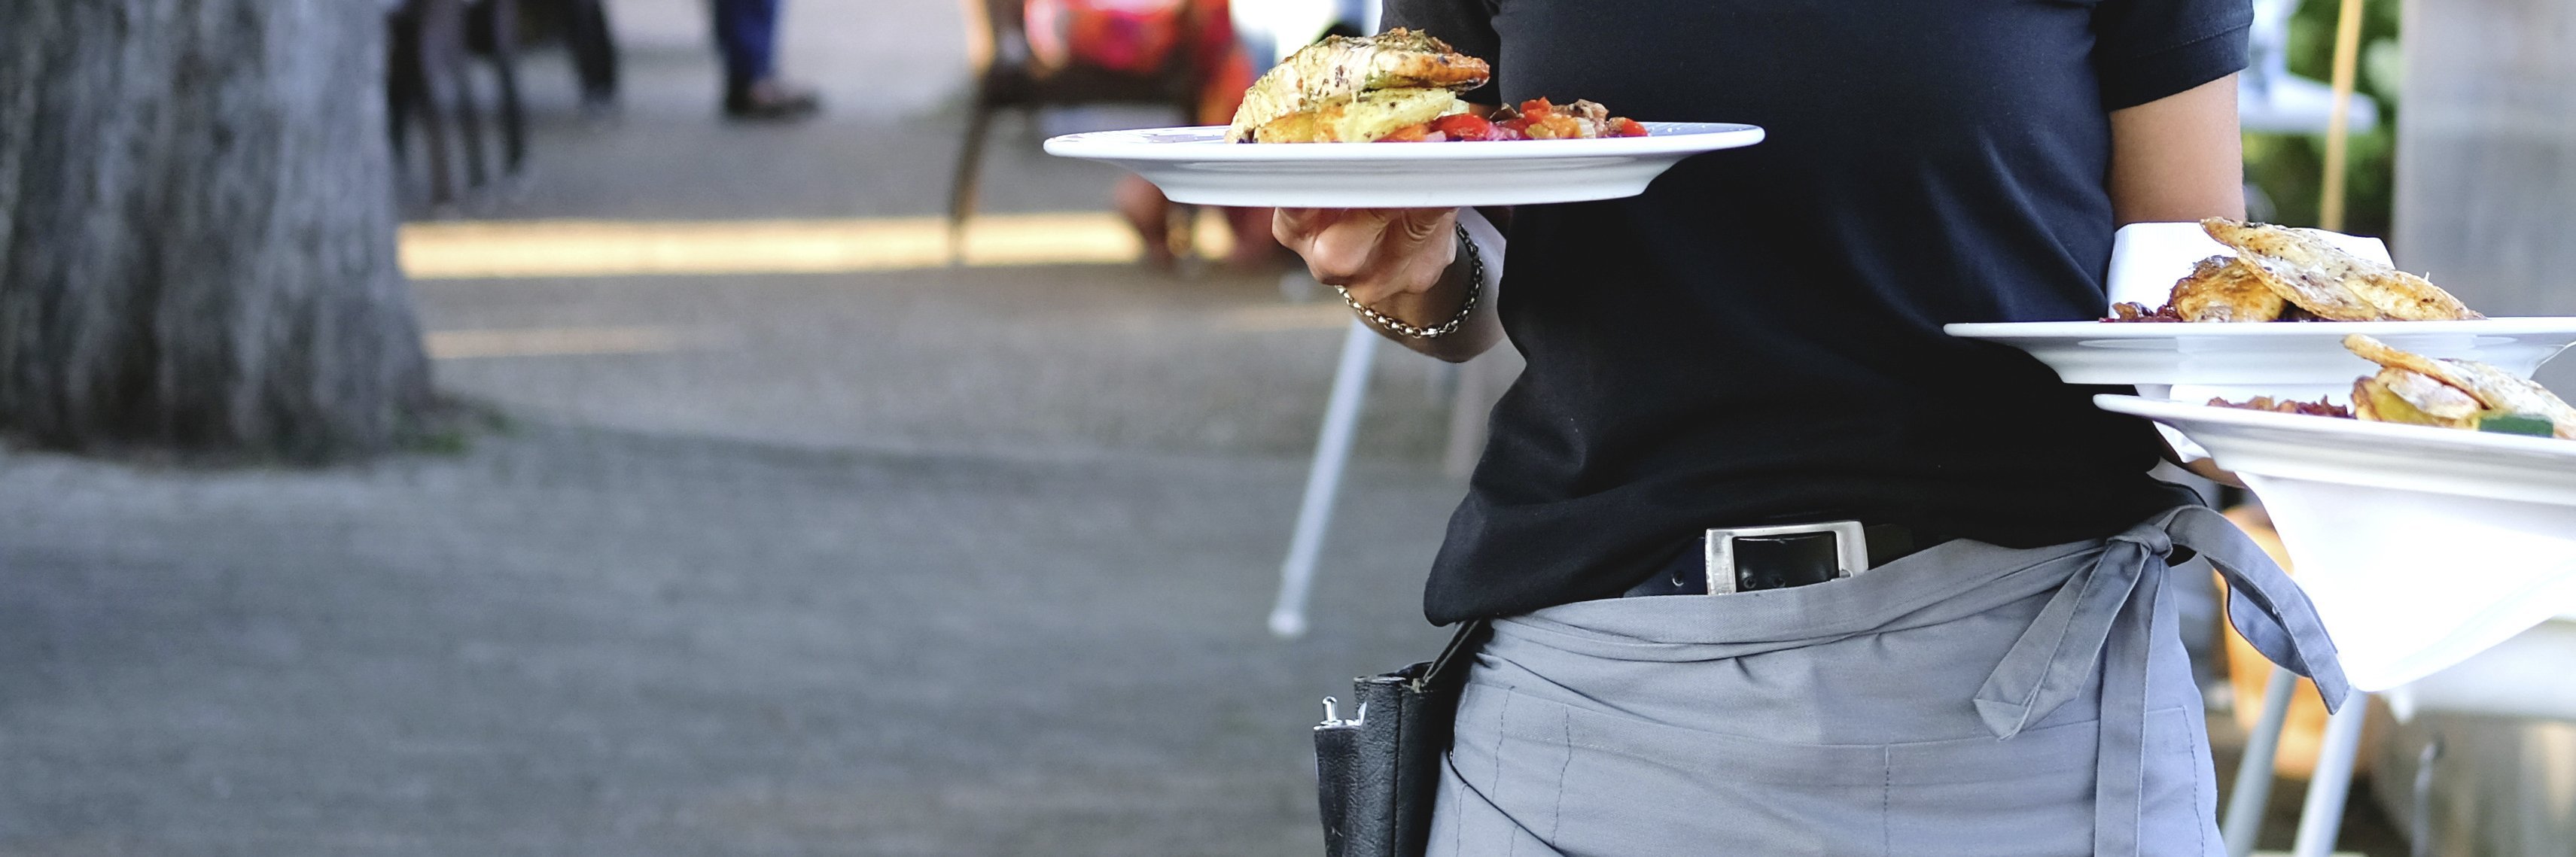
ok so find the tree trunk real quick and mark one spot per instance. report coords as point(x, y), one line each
point(197, 229)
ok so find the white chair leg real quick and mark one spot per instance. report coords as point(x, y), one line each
point(1324, 480)
point(2419, 835)
point(2321, 818)
point(2253, 790)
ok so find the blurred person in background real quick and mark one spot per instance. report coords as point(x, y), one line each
point(1139, 37)
point(747, 36)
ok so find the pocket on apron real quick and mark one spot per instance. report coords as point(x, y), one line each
point(1629, 787)
point(1502, 792)
point(2032, 794)
point(1590, 782)
point(2179, 808)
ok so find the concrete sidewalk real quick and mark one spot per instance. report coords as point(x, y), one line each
point(912, 562)
point(586, 641)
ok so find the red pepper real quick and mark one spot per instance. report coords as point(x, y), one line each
point(1464, 126)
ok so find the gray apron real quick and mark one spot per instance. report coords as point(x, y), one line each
point(1967, 700)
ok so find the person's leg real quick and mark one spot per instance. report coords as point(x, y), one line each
point(1149, 212)
point(747, 34)
point(594, 51)
point(1254, 247)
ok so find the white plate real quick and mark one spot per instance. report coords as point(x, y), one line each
point(2276, 354)
point(1196, 165)
point(2384, 455)
point(2420, 546)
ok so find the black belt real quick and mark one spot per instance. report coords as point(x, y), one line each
point(1757, 558)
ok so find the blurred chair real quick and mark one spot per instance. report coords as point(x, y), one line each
point(1007, 76)
point(2290, 734)
point(2523, 679)
point(429, 75)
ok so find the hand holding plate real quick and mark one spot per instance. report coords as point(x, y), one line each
point(1388, 258)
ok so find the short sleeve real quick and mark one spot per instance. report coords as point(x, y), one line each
point(1467, 25)
point(2144, 50)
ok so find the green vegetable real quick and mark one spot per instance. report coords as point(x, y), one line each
point(2518, 424)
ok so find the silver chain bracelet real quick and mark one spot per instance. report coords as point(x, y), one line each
point(1475, 288)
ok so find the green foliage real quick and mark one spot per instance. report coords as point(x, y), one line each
point(2289, 168)
point(450, 425)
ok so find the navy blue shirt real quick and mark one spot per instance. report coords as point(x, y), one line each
point(1757, 338)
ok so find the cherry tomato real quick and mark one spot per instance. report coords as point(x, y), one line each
point(1625, 127)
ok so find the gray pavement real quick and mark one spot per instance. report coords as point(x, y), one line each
point(589, 641)
point(941, 562)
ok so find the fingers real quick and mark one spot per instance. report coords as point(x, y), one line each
point(1436, 248)
point(1291, 225)
point(1336, 243)
point(1373, 253)
point(1339, 254)
point(1413, 248)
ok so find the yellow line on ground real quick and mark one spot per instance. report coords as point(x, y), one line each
point(608, 248)
point(560, 341)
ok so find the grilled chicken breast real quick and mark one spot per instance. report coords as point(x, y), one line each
point(1346, 89)
point(2495, 390)
point(1363, 118)
point(2221, 288)
point(2330, 283)
point(2405, 396)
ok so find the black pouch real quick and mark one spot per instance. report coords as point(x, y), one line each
point(1378, 771)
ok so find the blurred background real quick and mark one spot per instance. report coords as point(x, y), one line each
point(681, 427)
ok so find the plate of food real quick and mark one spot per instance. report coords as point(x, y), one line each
point(2418, 422)
point(2430, 520)
point(1376, 122)
point(2268, 315)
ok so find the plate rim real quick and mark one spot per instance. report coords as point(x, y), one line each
point(2532, 325)
point(2457, 439)
point(1723, 135)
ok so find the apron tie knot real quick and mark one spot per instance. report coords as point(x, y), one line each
point(2107, 617)
point(2150, 536)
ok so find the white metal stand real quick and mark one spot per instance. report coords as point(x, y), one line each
point(1324, 480)
point(2253, 791)
point(2321, 815)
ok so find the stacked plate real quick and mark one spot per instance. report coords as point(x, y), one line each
point(2420, 546)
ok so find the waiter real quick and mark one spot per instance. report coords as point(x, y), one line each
point(1773, 565)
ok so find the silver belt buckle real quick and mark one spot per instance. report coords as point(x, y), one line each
point(1851, 549)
